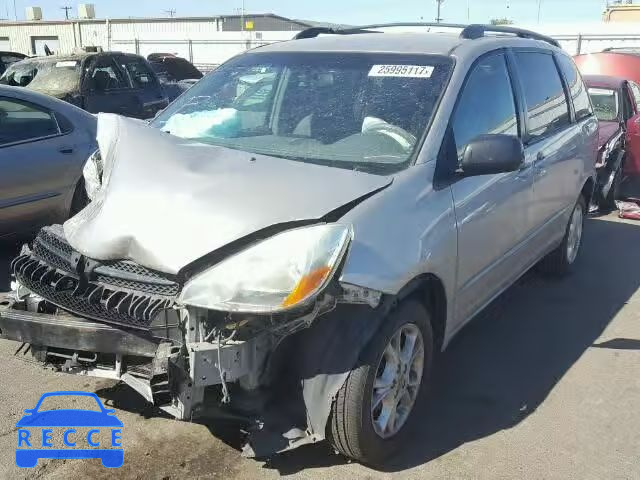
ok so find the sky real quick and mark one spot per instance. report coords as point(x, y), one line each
point(338, 11)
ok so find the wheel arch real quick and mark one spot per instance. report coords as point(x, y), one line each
point(588, 190)
point(429, 290)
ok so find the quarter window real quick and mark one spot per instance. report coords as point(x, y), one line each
point(21, 121)
point(577, 88)
point(547, 108)
point(486, 105)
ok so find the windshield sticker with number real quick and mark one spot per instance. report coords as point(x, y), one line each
point(66, 63)
point(410, 71)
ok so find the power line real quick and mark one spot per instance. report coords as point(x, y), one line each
point(66, 11)
point(171, 12)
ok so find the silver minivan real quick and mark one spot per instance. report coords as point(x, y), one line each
point(293, 239)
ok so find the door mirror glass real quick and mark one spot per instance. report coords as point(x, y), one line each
point(490, 154)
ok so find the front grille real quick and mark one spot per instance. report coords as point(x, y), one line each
point(130, 276)
point(51, 249)
point(120, 292)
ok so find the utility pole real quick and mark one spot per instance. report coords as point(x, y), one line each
point(242, 19)
point(539, 9)
point(171, 12)
point(66, 11)
point(439, 17)
point(15, 11)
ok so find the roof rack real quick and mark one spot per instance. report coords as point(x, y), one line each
point(469, 32)
point(622, 49)
point(408, 24)
point(313, 32)
point(472, 32)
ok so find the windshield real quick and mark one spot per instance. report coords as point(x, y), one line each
point(46, 75)
point(605, 103)
point(357, 111)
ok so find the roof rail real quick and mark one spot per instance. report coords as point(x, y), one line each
point(408, 24)
point(475, 31)
point(313, 32)
point(621, 49)
point(469, 32)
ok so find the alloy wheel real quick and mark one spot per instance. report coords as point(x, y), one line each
point(397, 381)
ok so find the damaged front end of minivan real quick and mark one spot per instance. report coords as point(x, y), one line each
point(248, 320)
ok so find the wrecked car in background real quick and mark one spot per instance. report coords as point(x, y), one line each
point(109, 82)
point(176, 74)
point(616, 103)
point(44, 144)
point(307, 225)
point(9, 58)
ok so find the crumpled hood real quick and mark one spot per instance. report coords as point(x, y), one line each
point(607, 130)
point(166, 202)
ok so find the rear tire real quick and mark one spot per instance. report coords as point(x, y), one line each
point(608, 203)
point(354, 428)
point(561, 261)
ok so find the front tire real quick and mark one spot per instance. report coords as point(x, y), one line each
point(79, 200)
point(561, 261)
point(373, 409)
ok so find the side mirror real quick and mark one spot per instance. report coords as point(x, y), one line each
point(29, 411)
point(490, 154)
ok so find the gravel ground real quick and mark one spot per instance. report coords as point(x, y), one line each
point(545, 384)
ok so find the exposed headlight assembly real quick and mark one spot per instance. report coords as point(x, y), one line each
point(92, 174)
point(274, 275)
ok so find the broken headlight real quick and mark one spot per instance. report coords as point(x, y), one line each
point(273, 275)
point(92, 174)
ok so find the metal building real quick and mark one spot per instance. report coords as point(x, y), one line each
point(206, 41)
point(622, 12)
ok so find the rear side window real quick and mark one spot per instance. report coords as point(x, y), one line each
point(486, 105)
point(9, 59)
point(22, 121)
point(577, 88)
point(547, 108)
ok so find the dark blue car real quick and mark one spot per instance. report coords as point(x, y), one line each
point(105, 418)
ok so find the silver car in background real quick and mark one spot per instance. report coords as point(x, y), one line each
point(44, 143)
point(293, 239)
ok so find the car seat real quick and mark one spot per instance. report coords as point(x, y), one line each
point(101, 80)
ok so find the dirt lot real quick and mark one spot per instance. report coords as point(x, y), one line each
point(545, 384)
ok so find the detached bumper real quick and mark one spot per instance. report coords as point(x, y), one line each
point(73, 333)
